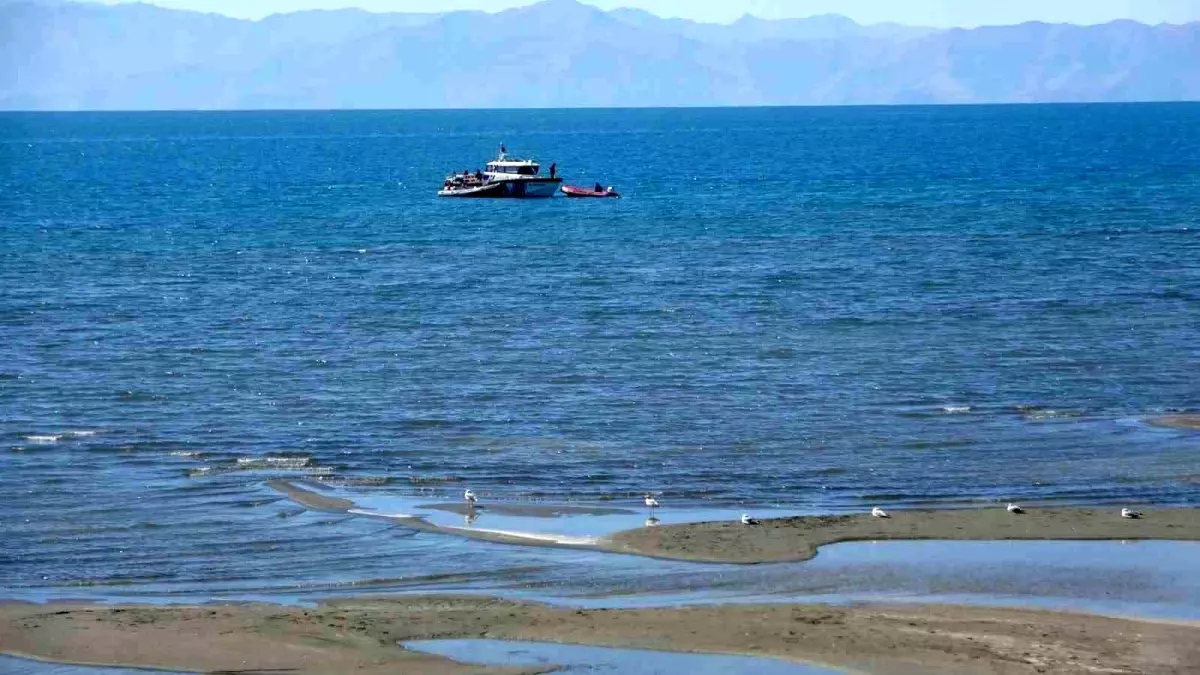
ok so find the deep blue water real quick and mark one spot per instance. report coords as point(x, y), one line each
point(789, 307)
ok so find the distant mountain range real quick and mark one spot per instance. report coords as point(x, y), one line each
point(560, 53)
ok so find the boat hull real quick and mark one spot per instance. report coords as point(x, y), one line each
point(537, 188)
point(585, 193)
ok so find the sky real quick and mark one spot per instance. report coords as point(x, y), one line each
point(940, 13)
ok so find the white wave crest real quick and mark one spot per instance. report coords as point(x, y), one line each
point(43, 439)
point(376, 514)
point(79, 433)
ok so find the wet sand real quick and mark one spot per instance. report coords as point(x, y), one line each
point(360, 635)
point(796, 539)
point(309, 498)
point(1189, 421)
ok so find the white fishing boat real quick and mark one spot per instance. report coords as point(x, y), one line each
point(503, 177)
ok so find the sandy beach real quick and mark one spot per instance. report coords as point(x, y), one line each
point(360, 635)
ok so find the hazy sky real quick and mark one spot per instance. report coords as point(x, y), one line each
point(917, 12)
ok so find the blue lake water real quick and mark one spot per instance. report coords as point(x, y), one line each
point(794, 309)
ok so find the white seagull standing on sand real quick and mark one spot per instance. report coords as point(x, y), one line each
point(651, 501)
point(469, 495)
point(747, 520)
point(879, 513)
point(1013, 508)
point(1130, 513)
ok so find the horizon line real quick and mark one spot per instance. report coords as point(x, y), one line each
point(1007, 104)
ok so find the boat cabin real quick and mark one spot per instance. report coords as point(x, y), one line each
point(513, 167)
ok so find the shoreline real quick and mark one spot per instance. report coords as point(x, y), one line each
point(362, 635)
point(799, 538)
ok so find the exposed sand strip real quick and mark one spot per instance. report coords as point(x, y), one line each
point(1189, 421)
point(794, 539)
point(311, 499)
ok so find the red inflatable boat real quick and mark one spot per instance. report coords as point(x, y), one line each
point(576, 191)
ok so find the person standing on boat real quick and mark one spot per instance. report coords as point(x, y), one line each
point(553, 169)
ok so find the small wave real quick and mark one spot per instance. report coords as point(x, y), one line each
point(956, 409)
point(193, 454)
point(140, 396)
point(353, 481)
point(1051, 414)
point(433, 480)
point(424, 423)
point(43, 439)
point(80, 433)
point(376, 514)
point(274, 462)
point(780, 353)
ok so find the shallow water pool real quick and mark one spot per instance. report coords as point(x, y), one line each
point(581, 659)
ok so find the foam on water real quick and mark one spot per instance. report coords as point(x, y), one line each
point(43, 439)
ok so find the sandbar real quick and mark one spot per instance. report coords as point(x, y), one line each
point(798, 538)
point(310, 498)
point(361, 635)
point(1190, 421)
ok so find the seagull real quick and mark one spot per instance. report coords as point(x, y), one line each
point(879, 513)
point(469, 495)
point(1130, 513)
point(650, 501)
point(747, 520)
point(1013, 508)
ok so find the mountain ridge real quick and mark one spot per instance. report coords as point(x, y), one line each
point(561, 53)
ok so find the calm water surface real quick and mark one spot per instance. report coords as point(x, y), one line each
point(804, 309)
